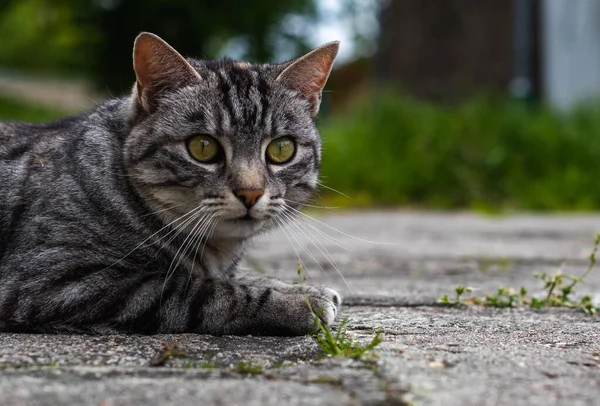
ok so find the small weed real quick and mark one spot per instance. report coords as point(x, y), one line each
point(207, 364)
point(248, 368)
point(301, 277)
point(460, 291)
point(507, 297)
point(559, 289)
point(341, 344)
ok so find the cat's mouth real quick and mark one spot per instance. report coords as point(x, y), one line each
point(246, 218)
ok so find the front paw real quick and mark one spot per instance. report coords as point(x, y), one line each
point(324, 302)
point(292, 311)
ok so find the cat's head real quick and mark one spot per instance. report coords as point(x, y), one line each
point(225, 144)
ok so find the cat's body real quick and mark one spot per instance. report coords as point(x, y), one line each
point(133, 217)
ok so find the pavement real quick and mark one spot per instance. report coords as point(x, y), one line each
point(393, 268)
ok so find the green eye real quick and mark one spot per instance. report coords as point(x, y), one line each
point(281, 150)
point(203, 148)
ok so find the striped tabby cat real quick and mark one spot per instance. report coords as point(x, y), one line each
point(133, 217)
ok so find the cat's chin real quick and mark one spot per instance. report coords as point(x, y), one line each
point(243, 227)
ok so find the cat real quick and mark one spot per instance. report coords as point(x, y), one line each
point(132, 218)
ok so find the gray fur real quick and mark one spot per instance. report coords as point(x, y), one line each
point(107, 224)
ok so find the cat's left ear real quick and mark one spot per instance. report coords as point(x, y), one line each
point(309, 73)
point(158, 68)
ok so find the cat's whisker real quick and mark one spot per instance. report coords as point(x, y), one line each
point(184, 245)
point(202, 233)
point(208, 236)
point(329, 238)
point(143, 242)
point(305, 246)
point(198, 241)
point(163, 210)
point(333, 190)
point(310, 205)
point(181, 227)
point(318, 244)
point(341, 232)
point(282, 226)
point(202, 237)
point(177, 230)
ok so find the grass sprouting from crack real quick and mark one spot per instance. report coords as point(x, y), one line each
point(559, 290)
point(340, 344)
point(248, 368)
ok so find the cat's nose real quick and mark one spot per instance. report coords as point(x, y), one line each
point(249, 196)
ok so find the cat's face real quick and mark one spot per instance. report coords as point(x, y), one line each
point(229, 146)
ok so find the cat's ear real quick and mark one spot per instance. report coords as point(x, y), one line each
point(308, 74)
point(158, 68)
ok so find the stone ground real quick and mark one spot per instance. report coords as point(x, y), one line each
point(430, 355)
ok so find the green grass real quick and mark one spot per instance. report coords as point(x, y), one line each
point(248, 368)
point(340, 344)
point(485, 154)
point(15, 110)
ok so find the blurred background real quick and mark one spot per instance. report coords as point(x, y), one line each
point(487, 105)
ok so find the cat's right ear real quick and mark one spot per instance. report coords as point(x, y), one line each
point(158, 68)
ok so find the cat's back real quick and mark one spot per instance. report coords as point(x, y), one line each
point(18, 138)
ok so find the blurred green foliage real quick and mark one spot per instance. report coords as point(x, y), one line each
point(38, 36)
point(483, 154)
point(96, 36)
point(13, 110)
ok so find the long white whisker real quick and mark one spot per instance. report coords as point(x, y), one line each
point(329, 238)
point(341, 232)
point(334, 190)
point(143, 242)
point(173, 268)
point(181, 227)
point(305, 246)
point(310, 205)
point(282, 225)
point(208, 235)
point(165, 209)
point(327, 253)
point(202, 234)
point(318, 244)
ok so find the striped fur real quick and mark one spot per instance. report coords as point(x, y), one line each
point(107, 224)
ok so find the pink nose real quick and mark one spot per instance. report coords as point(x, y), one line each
point(249, 196)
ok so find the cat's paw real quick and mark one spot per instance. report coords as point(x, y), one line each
point(298, 308)
point(287, 309)
point(324, 303)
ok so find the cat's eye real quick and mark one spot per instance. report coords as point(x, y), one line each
point(281, 150)
point(203, 148)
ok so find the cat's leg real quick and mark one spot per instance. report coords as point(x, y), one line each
point(115, 300)
point(259, 305)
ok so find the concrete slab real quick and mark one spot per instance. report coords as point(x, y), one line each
point(431, 355)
